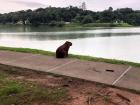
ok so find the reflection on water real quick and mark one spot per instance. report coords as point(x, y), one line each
point(41, 36)
point(115, 43)
point(41, 28)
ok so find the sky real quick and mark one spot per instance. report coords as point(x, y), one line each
point(95, 5)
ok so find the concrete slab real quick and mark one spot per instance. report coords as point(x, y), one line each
point(130, 80)
point(9, 56)
point(39, 62)
point(93, 71)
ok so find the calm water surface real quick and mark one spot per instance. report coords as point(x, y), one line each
point(114, 43)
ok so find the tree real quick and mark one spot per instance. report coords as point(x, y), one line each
point(107, 16)
point(123, 13)
point(78, 19)
point(134, 19)
point(110, 9)
point(71, 14)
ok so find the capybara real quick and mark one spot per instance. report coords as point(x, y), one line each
point(62, 51)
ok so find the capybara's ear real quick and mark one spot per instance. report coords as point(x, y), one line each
point(67, 42)
point(70, 44)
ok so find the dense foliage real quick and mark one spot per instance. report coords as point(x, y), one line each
point(58, 16)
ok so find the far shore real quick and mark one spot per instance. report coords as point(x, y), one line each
point(78, 25)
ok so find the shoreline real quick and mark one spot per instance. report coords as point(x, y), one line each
point(81, 57)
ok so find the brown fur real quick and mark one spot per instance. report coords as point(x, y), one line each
point(62, 51)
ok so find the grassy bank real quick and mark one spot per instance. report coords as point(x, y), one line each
point(98, 25)
point(89, 58)
point(107, 25)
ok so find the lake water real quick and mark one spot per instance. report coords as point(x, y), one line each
point(114, 43)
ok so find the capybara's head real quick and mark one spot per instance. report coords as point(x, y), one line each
point(68, 43)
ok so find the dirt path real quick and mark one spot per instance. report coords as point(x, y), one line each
point(81, 92)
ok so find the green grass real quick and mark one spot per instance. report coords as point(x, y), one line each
point(123, 25)
point(13, 92)
point(73, 25)
point(27, 50)
point(107, 99)
point(112, 61)
point(89, 58)
point(107, 25)
point(78, 25)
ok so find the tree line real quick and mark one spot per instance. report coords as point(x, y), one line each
point(59, 16)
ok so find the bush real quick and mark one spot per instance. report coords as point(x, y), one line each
point(87, 19)
point(60, 24)
point(54, 23)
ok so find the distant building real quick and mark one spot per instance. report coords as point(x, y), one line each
point(19, 22)
point(27, 21)
point(67, 22)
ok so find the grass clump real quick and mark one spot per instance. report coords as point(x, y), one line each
point(10, 88)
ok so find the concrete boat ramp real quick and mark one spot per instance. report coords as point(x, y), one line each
point(111, 74)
